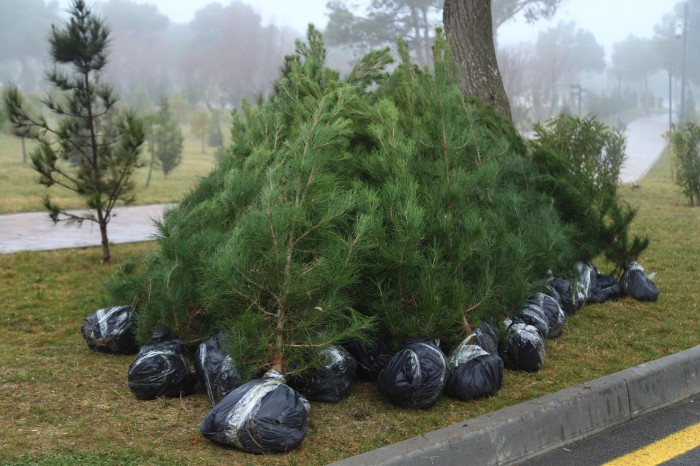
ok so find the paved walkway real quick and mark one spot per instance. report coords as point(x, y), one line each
point(645, 144)
point(36, 232)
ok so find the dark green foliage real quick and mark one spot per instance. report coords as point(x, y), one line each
point(686, 150)
point(378, 202)
point(579, 161)
point(93, 150)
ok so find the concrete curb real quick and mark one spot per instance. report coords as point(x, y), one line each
point(551, 421)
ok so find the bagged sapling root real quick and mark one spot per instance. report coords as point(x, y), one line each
point(111, 330)
point(262, 416)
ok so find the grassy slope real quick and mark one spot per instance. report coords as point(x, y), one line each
point(63, 404)
point(19, 191)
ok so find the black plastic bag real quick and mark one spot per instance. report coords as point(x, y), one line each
point(262, 416)
point(533, 314)
point(605, 289)
point(485, 337)
point(560, 289)
point(636, 284)
point(415, 377)
point(160, 369)
point(556, 318)
point(331, 383)
point(215, 369)
point(111, 330)
point(474, 373)
point(523, 348)
point(585, 283)
point(371, 358)
point(609, 287)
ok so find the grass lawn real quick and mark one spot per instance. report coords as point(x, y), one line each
point(20, 192)
point(63, 404)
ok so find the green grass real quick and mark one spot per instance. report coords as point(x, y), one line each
point(20, 192)
point(63, 404)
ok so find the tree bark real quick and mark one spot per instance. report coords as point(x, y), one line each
point(102, 222)
point(468, 24)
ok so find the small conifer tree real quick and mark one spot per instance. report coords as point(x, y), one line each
point(93, 150)
point(200, 125)
point(167, 139)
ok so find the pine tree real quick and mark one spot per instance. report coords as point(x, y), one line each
point(465, 238)
point(102, 143)
point(167, 139)
point(200, 125)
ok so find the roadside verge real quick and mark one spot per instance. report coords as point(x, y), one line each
point(535, 427)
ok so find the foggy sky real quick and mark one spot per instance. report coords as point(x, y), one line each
point(610, 21)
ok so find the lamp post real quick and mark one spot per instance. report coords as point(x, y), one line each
point(670, 97)
point(684, 70)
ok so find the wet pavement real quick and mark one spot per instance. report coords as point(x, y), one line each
point(36, 232)
point(645, 144)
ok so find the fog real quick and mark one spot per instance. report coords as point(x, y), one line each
point(610, 21)
point(620, 52)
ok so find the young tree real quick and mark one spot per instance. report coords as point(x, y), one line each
point(106, 142)
point(686, 150)
point(167, 138)
point(200, 124)
point(216, 135)
point(149, 128)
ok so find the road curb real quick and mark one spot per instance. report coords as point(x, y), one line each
point(530, 429)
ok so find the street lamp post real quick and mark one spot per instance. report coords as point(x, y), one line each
point(670, 98)
point(684, 70)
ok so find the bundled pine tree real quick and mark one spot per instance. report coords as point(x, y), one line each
point(463, 237)
point(378, 200)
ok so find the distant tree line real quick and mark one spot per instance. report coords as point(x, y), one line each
point(223, 55)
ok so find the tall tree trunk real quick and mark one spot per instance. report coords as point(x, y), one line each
point(469, 27)
point(24, 151)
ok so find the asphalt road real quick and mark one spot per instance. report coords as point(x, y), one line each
point(614, 445)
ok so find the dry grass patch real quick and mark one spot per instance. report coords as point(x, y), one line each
point(63, 404)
